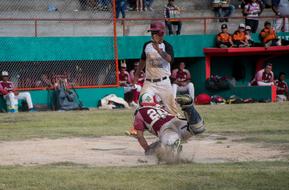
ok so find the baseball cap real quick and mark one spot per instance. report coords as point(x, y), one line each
point(242, 25)
point(123, 64)
point(4, 74)
point(157, 26)
point(224, 26)
point(248, 28)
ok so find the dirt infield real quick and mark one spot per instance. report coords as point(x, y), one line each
point(125, 151)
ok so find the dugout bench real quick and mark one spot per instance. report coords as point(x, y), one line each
point(246, 62)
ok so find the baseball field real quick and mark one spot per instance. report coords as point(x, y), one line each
point(246, 146)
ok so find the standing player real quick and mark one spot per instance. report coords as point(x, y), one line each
point(157, 56)
point(170, 130)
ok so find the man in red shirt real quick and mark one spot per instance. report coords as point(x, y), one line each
point(182, 81)
point(264, 77)
point(170, 130)
point(282, 88)
point(7, 89)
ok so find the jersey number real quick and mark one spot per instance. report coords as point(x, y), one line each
point(156, 114)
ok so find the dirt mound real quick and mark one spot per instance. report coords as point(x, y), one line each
point(125, 151)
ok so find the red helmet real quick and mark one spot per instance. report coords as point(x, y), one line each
point(158, 27)
point(203, 99)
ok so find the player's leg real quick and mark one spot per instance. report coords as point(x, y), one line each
point(195, 121)
point(164, 90)
point(171, 139)
point(11, 101)
point(26, 96)
point(175, 89)
point(191, 89)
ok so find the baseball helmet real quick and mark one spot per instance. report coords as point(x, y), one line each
point(147, 99)
point(157, 27)
point(203, 99)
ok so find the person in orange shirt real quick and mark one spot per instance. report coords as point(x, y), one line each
point(268, 36)
point(224, 39)
point(239, 37)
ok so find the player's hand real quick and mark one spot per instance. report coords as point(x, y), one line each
point(156, 46)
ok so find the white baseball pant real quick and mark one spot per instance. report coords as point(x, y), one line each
point(12, 99)
point(188, 88)
point(164, 90)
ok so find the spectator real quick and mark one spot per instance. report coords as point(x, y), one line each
point(44, 81)
point(282, 88)
point(181, 79)
point(252, 10)
point(104, 5)
point(239, 37)
point(248, 36)
point(148, 4)
point(224, 39)
point(139, 5)
point(268, 36)
point(281, 9)
point(264, 77)
point(223, 9)
point(120, 8)
point(83, 4)
point(136, 90)
point(12, 96)
point(172, 12)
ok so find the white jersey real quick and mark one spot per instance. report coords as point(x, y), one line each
point(156, 66)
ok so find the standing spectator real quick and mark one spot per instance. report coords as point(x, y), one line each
point(282, 88)
point(139, 5)
point(139, 83)
point(252, 10)
point(120, 8)
point(248, 36)
point(7, 89)
point(224, 38)
point(181, 78)
point(269, 36)
point(239, 37)
point(264, 77)
point(223, 9)
point(83, 4)
point(172, 12)
point(148, 4)
point(281, 9)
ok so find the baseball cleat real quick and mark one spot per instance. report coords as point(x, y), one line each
point(131, 132)
point(184, 100)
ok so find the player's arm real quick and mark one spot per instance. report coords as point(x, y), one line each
point(142, 141)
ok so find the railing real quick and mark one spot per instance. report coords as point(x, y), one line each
point(125, 23)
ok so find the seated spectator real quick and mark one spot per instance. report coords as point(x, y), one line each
point(172, 12)
point(239, 37)
point(248, 36)
point(281, 9)
point(7, 89)
point(148, 4)
point(136, 90)
point(224, 39)
point(268, 36)
point(252, 10)
point(222, 9)
point(264, 77)
point(139, 5)
point(44, 81)
point(282, 88)
point(181, 81)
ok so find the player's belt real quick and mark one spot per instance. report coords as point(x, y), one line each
point(157, 80)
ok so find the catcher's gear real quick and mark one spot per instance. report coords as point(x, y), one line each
point(196, 124)
point(158, 28)
point(184, 100)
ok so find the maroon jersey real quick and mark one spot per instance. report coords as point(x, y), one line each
point(181, 75)
point(282, 87)
point(124, 78)
point(6, 86)
point(151, 118)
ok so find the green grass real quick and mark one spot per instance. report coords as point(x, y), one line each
point(233, 176)
point(265, 123)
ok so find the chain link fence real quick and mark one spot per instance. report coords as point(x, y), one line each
point(80, 19)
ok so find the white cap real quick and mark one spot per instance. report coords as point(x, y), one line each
point(4, 74)
point(248, 27)
point(123, 64)
point(242, 25)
